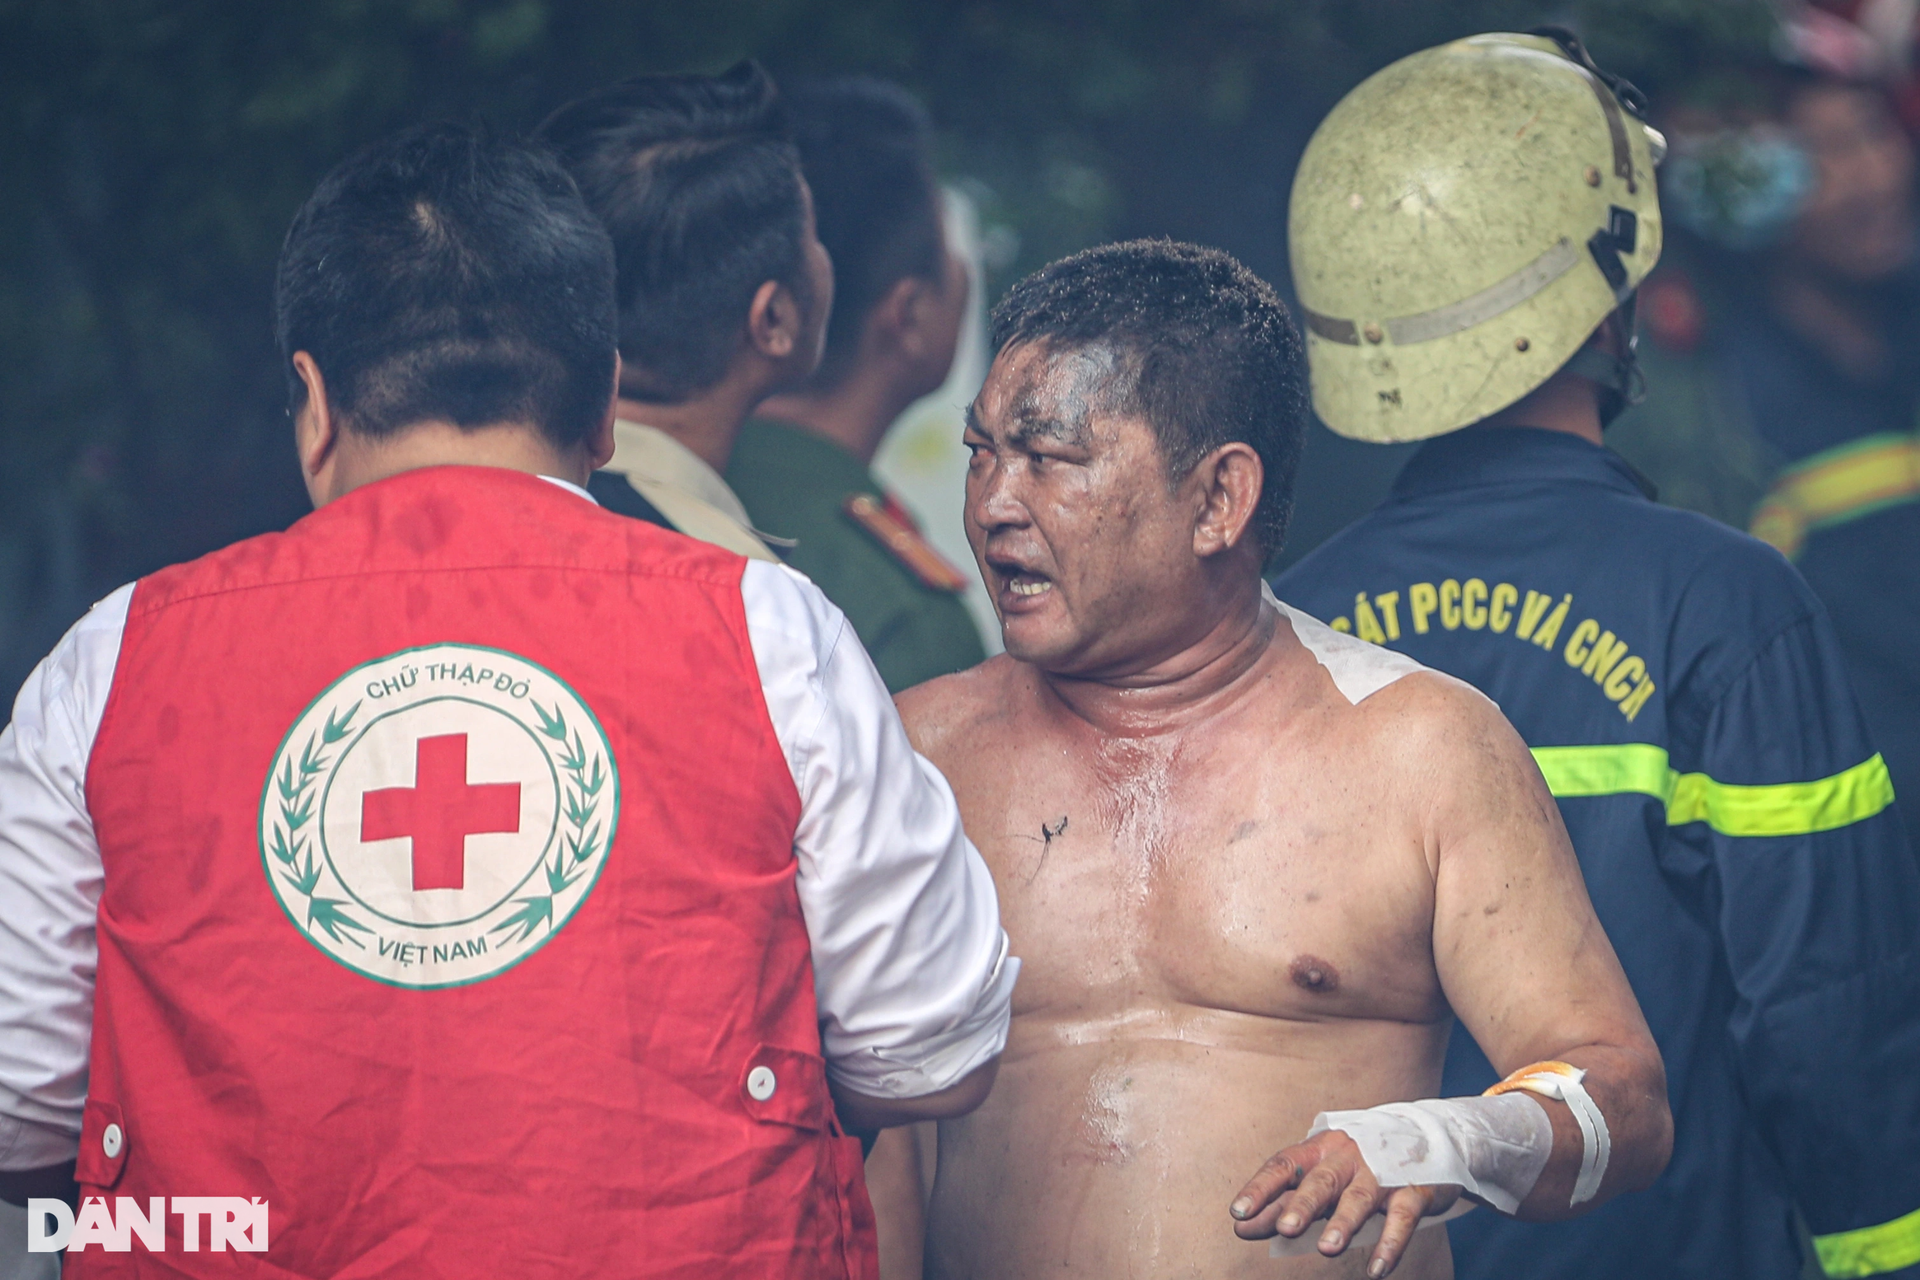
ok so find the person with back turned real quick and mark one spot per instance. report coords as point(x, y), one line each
point(803, 462)
point(724, 288)
point(470, 881)
point(1468, 229)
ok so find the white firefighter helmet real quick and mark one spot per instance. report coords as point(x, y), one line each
point(1461, 223)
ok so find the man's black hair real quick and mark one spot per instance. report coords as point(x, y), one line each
point(864, 146)
point(445, 273)
point(700, 188)
point(1206, 352)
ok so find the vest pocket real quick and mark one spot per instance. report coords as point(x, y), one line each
point(786, 1086)
point(103, 1145)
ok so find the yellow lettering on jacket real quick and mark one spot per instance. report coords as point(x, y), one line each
point(1501, 610)
point(1473, 604)
point(1531, 613)
point(1389, 605)
point(1590, 649)
point(1422, 600)
point(1607, 651)
point(1621, 682)
point(1577, 643)
point(1631, 704)
point(1550, 629)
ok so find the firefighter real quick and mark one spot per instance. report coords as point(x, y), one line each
point(1468, 228)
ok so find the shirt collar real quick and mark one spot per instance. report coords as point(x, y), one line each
point(571, 487)
point(1513, 455)
point(651, 454)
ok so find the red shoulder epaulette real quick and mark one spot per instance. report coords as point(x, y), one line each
point(892, 529)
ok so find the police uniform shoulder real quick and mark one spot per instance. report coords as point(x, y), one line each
point(897, 535)
point(789, 480)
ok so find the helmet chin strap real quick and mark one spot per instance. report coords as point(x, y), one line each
point(1620, 380)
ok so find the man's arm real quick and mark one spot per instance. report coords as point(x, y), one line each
point(1530, 973)
point(911, 970)
point(50, 881)
point(1790, 812)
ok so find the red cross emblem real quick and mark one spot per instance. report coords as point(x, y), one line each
point(440, 811)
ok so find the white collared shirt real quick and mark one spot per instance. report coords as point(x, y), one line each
point(911, 971)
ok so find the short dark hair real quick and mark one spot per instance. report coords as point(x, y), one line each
point(700, 188)
point(446, 273)
point(865, 148)
point(1207, 353)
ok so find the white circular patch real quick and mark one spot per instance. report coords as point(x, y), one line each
point(437, 814)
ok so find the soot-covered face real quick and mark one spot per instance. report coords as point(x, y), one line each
point(1086, 547)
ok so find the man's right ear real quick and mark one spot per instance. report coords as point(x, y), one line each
point(775, 320)
point(316, 432)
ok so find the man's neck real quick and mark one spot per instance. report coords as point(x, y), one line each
point(708, 425)
point(364, 460)
point(854, 414)
point(1184, 686)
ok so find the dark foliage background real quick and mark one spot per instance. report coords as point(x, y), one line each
point(153, 151)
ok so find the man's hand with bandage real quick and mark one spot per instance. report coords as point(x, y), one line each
point(1581, 1117)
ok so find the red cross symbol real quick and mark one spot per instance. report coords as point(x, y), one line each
point(439, 812)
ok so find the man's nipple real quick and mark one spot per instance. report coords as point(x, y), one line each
point(1311, 973)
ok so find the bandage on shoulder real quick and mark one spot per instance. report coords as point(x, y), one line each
point(1561, 1081)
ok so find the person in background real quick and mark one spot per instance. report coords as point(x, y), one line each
point(483, 883)
point(1680, 685)
point(803, 462)
point(1785, 352)
point(724, 287)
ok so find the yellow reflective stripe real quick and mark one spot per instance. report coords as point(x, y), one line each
point(1871, 1250)
point(1776, 809)
point(1841, 484)
point(1606, 771)
point(1784, 808)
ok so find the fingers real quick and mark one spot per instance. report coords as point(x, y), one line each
point(1320, 1190)
point(1405, 1207)
point(1278, 1174)
point(1355, 1206)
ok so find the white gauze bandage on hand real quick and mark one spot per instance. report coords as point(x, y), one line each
point(1489, 1147)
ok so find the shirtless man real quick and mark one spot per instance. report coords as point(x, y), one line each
point(1254, 867)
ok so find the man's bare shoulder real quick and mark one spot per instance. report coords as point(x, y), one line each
point(951, 710)
point(1406, 712)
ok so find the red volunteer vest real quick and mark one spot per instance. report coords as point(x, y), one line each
point(449, 906)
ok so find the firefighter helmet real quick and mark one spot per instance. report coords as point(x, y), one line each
point(1461, 224)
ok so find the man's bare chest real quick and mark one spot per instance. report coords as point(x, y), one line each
point(1145, 874)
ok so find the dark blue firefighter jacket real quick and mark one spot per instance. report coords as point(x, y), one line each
point(1684, 696)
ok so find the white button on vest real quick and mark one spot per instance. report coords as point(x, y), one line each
point(760, 1084)
point(110, 1139)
